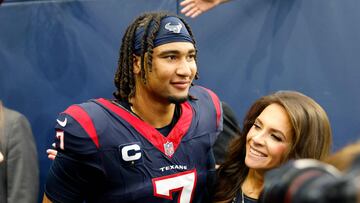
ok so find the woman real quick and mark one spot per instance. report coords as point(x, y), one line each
point(278, 127)
point(19, 171)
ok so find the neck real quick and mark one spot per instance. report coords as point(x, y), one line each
point(253, 184)
point(156, 114)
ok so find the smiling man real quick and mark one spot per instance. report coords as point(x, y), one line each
point(152, 143)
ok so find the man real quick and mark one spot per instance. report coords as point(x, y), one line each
point(153, 142)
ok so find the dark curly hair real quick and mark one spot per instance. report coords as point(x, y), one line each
point(124, 79)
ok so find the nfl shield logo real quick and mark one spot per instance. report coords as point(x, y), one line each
point(169, 148)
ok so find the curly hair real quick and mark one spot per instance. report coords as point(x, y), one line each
point(124, 79)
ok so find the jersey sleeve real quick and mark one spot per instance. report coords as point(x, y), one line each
point(72, 180)
point(75, 132)
point(76, 171)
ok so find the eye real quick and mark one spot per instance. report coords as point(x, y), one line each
point(256, 126)
point(170, 57)
point(276, 137)
point(191, 57)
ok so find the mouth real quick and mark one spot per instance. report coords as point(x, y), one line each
point(182, 85)
point(256, 153)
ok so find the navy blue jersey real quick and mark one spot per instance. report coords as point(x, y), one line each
point(107, 154)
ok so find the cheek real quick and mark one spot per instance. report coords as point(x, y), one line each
point(193, 72)
point(193, 67)
point(160, 75)
point(279, 151)
point(250, 134)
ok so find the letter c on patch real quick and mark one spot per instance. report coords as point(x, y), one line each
point(131, 156)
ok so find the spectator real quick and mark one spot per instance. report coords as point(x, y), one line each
point(278, 127)
point(193, 8)
point(19, 170)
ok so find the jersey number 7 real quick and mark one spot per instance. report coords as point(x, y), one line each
point(183, 182)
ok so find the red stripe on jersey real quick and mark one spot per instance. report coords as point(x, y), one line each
point(217, 105)
point(150, 133)
point(83, 118)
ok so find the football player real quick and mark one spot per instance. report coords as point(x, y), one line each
point(152, 142)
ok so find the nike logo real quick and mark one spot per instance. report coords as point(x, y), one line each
point(62, 123)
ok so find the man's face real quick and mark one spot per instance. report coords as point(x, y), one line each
point(173, 70)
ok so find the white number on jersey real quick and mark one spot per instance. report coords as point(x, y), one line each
point(183, 182)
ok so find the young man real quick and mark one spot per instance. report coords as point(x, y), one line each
point(153, 142)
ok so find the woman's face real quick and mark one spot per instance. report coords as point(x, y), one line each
point(269, 139)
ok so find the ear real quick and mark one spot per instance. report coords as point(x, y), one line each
point(136, 64)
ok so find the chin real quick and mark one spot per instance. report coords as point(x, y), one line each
point(177, 100)
point(255, 165)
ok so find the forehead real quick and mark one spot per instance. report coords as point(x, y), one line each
point(175, 46)
point(275, 116)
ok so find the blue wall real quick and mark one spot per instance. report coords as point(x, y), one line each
point(55, 53)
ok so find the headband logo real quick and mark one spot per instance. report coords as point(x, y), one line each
point(173, 28)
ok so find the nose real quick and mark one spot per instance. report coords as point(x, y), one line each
point(259, 138)
point(185, 68)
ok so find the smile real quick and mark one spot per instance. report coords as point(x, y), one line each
point(256, 152)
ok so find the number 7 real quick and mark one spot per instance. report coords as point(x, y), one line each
point(184, 182)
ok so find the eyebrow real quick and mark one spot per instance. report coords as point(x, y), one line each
point(271, 129)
